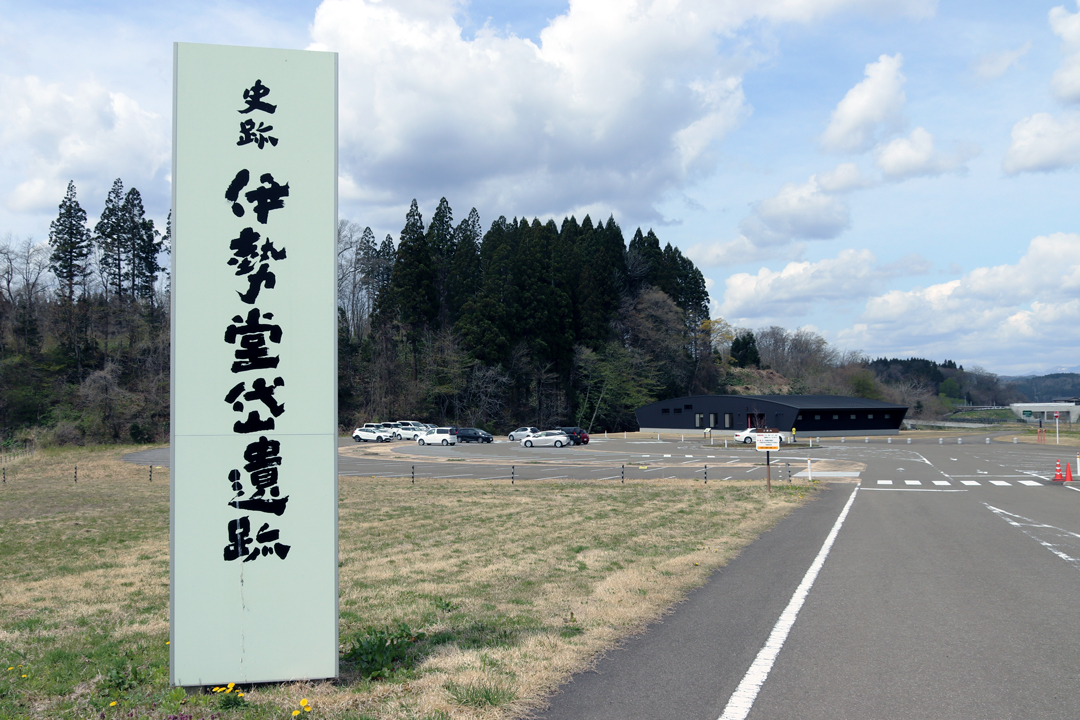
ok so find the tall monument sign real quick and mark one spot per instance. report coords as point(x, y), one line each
point(253, 539)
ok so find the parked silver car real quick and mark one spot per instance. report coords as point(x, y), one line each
point(522, 432)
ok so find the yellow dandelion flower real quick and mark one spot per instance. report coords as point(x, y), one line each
point(112, 704)
point(11, 668)
point(295, 713)
point(24, 676)
point(168, 642)
point(239, 694)
point(303, 701)
point(232, 685)
point(307, 708)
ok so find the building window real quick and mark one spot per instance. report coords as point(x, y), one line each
point(886, 416)
point(712, 420)
point(678, 410)
point(817, 417)
point(729, 420)
point(699, 419)
point(665, 411)
point(869, 416)
point(798, 417)
point(835, 417)
point(688, 407)
point(852, 416)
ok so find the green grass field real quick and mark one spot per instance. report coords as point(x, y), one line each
point(458, 599)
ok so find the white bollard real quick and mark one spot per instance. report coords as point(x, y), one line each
point(867, 439)
point(810, 469)
point(843, 439)
point(1014, 441)
point(959, 441)
point(941, 441)
point(909, 441)
point(890, 441)
point(987, 441)
point(725, 443)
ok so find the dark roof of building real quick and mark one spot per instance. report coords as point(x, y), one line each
point(808, 402)
point(825, 401)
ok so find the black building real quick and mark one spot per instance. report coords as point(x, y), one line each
point(825, 415)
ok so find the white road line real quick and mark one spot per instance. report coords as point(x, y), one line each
point(1000, 483)
point(1014, 520)
point(742, 700)
point(970, 482)
point(729, 477)
point(896, 489)
point(884, 482)
point(557, 477)
point(1031, 483)
point(913, 482)
point(444, 477)
point(610, 478)
point(942, 482)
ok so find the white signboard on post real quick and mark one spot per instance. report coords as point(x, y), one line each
point(253, 536)
point(767, 440)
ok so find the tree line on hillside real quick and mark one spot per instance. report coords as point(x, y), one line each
point(528, 322)
point(84, 325)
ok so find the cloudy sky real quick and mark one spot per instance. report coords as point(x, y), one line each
point(899, 175)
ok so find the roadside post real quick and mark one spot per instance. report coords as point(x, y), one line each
point(767, 440)
point(1057, 436)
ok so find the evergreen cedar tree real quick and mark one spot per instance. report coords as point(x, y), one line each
point(540, 285)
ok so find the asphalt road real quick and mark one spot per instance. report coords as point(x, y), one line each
point(949, 592)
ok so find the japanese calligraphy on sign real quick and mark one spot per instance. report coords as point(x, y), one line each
point(254, 430)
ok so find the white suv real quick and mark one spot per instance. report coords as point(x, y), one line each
point(439, 436)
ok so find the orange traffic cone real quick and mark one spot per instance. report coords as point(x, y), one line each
point(1068, 472)
point(1057, 475)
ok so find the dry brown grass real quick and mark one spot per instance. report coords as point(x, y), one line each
point(516, 586)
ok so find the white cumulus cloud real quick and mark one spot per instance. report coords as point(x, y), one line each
point(916, 155)
point(850, 277)
point(1066, 80)
point(1007, 315)
point(50, 134)
point(870, 109)
point(797, 211)
point(1042, 142)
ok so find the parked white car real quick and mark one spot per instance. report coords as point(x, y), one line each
point(439, 436)
point(409, 430)
point(371, 433)
point(750, 435)
point(550, 438)
point(522, 432)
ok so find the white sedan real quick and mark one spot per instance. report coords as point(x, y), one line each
point(552, 438)
point(750, 435)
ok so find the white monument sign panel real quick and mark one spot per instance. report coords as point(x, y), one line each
point(253, 537)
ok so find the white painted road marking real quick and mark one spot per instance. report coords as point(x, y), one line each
point(912, 482)
point(970, 482)
point(1031, 483)
point(942, 482)
point(742, 700)
point(1029, 527)
point(884, 482)
point(1000, 483)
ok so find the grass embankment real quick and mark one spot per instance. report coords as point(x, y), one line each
point(505, 590)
